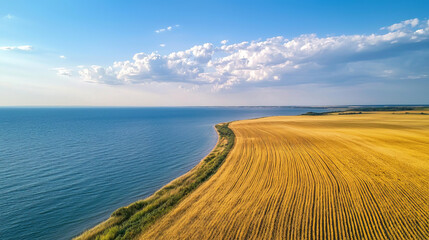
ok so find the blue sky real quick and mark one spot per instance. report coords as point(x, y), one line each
point(291, 52)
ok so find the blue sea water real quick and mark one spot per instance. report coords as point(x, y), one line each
point(63, 170)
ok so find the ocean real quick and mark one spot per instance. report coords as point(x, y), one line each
point(63, 170)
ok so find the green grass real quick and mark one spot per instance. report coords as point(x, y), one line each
point(397, 108)
point(128, 222)
point(359, 110)
point(315, 113)
point(349, 113)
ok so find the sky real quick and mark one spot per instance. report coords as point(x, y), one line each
point(212, 53)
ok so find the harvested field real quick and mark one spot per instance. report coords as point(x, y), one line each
point(363, 176)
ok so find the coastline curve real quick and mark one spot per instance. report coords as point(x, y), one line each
point(130, 221)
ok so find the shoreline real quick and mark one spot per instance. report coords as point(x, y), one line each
point(129, 221)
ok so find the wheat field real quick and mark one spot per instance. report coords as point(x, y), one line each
point(360, 176)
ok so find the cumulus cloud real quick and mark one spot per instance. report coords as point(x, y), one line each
point(22, 48)
point(98, 74)
point(169, 28)
point(403, 24)
point(162, 45)
point(280, 61)
point(62, 57)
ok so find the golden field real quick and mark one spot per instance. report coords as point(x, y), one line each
point(362, 176)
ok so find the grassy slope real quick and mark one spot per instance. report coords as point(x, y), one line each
point(361, 176)
point(128, 222)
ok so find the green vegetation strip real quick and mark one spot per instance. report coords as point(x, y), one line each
point(129, 222)
point(359, 110)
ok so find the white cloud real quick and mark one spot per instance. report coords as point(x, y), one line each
point(98, 74)
point(169, 28)
point(416, 76)
point(22, 48)
point(403, 24)
point(162, 45)
point(304, 59)
point(63, 71)
point(62, 57)
point(223, 42)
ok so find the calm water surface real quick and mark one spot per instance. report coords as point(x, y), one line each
point(63, 170)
